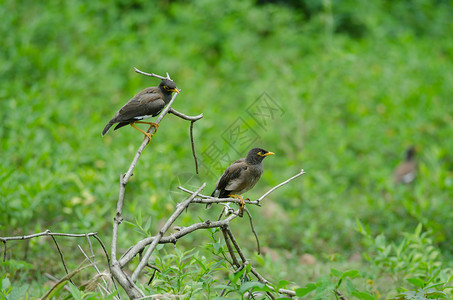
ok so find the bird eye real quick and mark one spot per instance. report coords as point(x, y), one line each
point(260, 154)
point(165, 87)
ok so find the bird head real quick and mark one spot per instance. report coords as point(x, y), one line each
point(256, 155)
point(410, 153)
point(168, 86)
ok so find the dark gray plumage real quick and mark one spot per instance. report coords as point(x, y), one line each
point(146, 104)
point(406, 171)
point(241, 176)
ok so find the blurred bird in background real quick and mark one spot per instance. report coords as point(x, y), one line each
point(406, 171)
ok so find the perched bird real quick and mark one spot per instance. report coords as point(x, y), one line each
point(146, 104)
point(406, 171)
point(241, 176)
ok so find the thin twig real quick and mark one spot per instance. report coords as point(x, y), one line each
point(208, 199)
point(47, 232)
point(91, 246)
point(61, 256)
point(152, 276)
point(179, 209)
point(193, 147)
point(92, 261)
point(236, 245)
point(192, 120)
point(4, 251)
point(253, 230)
point(302, 172)
point(53, 278)
point(152, 74)
point(62, 280)
point(108, 261)
point(230, 248)
point(224, 289)
point(184, 116)
point(287, 292)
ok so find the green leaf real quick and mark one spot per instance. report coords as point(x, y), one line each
point(364, 295)
point(18, 293)
point(308, 288)
point(216, 246)
point(75, 292)
point(6, 284)
point(335, 272)
point(283, 284)
point(351, 274)
point(418, 230)
point(147, 225)
point(416, 281)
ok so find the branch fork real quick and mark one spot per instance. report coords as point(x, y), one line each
point(146, 247)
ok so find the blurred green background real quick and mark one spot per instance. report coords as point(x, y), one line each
point(354, 83)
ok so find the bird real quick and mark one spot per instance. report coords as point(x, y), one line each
point(241, 176)
point(406, 171)
point(146, 104)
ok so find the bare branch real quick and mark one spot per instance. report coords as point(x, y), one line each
point(61, 256)
point(4, 250)
point(124, 179)
point(253, 230)
point(230, 248)
point(133, 251)
point(192, 120)
point(302, 172)
point(91, 247)
point(185, 117)
point(179, 209)
point(47, 232)
point(53, 278)
point(92, 262)
point(208, 199)
point(287, 292)
point(193, 147)
point(152, 74)
point(236, 245)
point(106, 255)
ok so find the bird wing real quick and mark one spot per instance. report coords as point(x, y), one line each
point(149, 103)
point(405, 172)
point(233, 179)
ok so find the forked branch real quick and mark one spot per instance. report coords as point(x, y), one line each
point(152, 74)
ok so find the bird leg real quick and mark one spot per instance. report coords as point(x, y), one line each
point(149, 135)
point(241, 205)
point(151, 124)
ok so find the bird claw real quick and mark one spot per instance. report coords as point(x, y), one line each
point(150, 136)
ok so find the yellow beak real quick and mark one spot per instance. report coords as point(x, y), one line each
point(269, 153)
point(174, 90)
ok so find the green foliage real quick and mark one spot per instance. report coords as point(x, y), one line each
point(415, 259)
point(357, 82)
point(7, 291)
point(330, 286)
point(415, 254)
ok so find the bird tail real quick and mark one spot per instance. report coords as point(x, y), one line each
point(107, 127)
point(212, 195)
